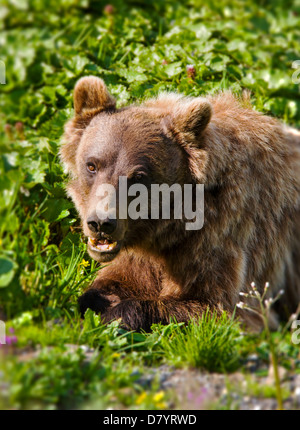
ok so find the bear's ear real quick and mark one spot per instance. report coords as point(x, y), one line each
point(192, 116)
point(91, 97)
point(185, 120)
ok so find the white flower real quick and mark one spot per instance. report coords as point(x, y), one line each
point(241, 305)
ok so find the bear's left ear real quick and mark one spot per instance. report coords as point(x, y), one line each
point(91, 96)
point(191, 116)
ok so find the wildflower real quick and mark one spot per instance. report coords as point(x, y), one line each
point(190, 396)
point(84, 263)
point(198, 400)
point(268, 303)
point(19, 126)
point(241, 305)
point(161, 405)
point(109, 9)
point(264, 308)
point(243, 294)
point(297, 392)
point(141, 398)
point(267, 285)
point(116, 355)
point(24, 191)
point(191, 71)
point(8, 131)
point(158, 396)
point(10, 340)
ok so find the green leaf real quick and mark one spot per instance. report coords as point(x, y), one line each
point(56, 209)
point(173, 69)
point(7, 270)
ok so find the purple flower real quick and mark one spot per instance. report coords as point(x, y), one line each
point(191, 71)
point(197, 401)
point(10, 340)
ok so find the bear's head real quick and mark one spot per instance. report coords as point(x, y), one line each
point(114, 155)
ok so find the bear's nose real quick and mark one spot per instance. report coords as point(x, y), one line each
point(97, 225)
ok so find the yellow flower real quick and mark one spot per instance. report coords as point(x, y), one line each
point(158, 396)
point(116, 355)
point(141, 398)
point(84, 263)
point(161, 405)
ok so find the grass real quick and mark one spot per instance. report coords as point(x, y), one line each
point(139, 50)
point(210, 343)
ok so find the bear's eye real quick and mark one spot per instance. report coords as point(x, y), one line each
point(139, 176)
point(91, 168)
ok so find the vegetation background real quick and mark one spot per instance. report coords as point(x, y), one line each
point(52, 359)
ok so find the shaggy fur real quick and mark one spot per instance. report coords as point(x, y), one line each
point(250, 166)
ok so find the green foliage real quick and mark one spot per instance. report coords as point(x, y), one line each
point(63, 378)
point(138, 48)
point(66, 364)
point(211, 342)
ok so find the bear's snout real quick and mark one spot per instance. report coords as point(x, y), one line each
point(96, 225)
point(105, 237)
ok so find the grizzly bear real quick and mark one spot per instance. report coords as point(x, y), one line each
point(156, 270)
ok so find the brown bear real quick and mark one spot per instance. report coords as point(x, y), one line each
point(157, 269)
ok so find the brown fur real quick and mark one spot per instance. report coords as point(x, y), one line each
point(250, 165)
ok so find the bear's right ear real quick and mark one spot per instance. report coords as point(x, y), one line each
point(91, 97)
point(192, 116)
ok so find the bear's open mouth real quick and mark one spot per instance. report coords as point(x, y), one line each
point(103, 244)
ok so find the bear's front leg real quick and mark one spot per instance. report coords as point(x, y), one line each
point(114, 285)
point(104, 293)
point(141, 314)
point(97, 300)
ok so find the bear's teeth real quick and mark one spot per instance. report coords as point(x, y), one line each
point(102, 244)
point(106, 246)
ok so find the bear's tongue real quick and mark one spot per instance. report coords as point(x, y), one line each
point(102, 244)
